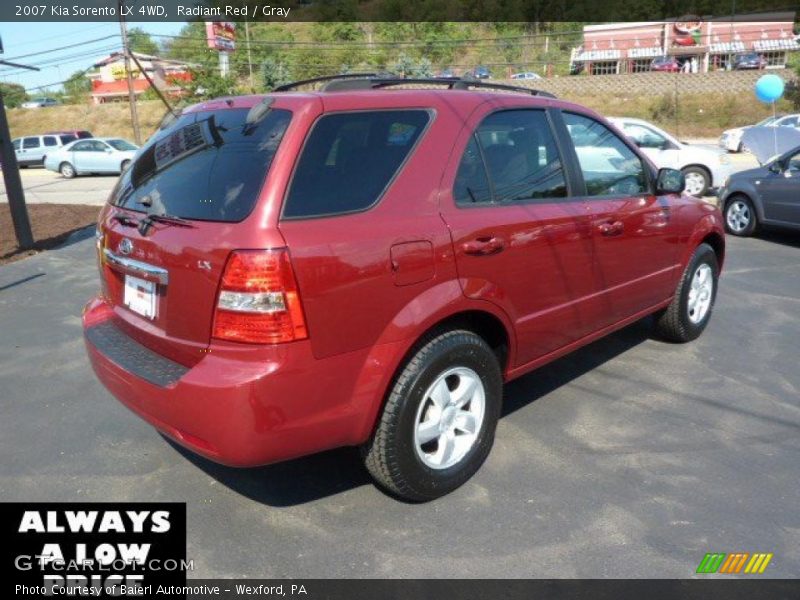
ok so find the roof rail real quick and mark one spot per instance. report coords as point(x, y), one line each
point(296, 84)
point(372, 81)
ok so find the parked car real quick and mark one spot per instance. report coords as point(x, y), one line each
point(768, 196)
point(526, 75)
point(731, 139)
point(704, 168)
point(40, 103)
point(32, 149)
point(77, 134)
point(749, 60)
point(445, 73)
point(665, 63)
point(93, 155)
point(479, 72)
point(291, 273)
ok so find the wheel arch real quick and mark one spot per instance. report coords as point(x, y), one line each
point(372, 389)
point(717, 243)
point(754, 199)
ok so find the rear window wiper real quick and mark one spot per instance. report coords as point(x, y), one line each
point(125, 220)
point(146, 222)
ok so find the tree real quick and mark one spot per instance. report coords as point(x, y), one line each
point(140, 41)
point(13, 94)
point(208, 83)
point(77, 87)
point(273, 73)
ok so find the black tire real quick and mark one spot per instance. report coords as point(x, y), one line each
point(67, 170)
point(124, 166)
point(675, 323)
point(391, 455)
point(740, 216)
point(695, 170)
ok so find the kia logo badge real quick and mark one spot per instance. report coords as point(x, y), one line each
point(126, 246)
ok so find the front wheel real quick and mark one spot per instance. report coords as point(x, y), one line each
point(690, 310)
point(438, 425)
point(698, 181)
point(740, 216)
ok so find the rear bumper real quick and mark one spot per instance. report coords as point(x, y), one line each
point(239, 405)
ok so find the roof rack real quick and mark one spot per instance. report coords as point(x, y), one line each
point(373, 81)
point(296, 84)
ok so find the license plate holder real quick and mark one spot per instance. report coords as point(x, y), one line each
point(140, 296)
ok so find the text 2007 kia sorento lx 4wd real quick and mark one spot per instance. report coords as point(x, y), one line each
point(367, 265)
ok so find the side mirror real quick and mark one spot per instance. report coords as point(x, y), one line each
point(670, 181)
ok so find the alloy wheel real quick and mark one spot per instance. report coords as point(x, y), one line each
point(449, 418)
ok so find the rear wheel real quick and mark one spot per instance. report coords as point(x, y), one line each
point(740, 216)
point(690, 310)
point(438, 424)
point(698, 180)
point(67, 170)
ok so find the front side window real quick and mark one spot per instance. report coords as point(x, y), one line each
point(16, 144)
point(520, 157)
point(122, 145)
point(608, 165)
point(66, 139)
point(349, 159)
point(49, 140)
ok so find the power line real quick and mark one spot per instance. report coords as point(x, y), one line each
point(108, 37)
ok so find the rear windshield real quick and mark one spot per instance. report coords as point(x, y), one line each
point(206, 166)
point(349, 159)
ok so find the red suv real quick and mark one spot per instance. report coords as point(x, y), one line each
point(366, 265)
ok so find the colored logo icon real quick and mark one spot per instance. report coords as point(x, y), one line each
point(737, 562)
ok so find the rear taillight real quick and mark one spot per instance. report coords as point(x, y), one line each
point(258, 300)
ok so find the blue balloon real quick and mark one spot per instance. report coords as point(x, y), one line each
point(769, 88)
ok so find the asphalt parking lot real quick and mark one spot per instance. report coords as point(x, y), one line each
point(630, 458)
point(41, 185)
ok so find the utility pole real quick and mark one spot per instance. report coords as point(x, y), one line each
point(11, 178)
point(249, 56)
point(123, 28)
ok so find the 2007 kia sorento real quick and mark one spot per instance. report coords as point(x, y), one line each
point(367, 265)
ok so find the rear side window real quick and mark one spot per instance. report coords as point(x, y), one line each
point(49, 140)
point(349, 159)
point(208, 166)
point(521, 158)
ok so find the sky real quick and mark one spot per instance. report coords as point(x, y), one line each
point(20, 39)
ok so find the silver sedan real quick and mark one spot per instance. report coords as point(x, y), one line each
point(94, 155)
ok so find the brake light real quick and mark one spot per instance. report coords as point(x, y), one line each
point(258, 300)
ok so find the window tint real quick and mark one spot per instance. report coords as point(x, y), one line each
point(66, 139)
point(207, 165)
point(521, 159)
point(349, 159)
point(472, 184)
point(31, 142)
point(609, 166)
point(49, 140)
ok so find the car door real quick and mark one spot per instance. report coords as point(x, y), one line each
point(31, 152)
point(90, 156)
point(635, 246)
point(780, 192)
point(520, 240)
